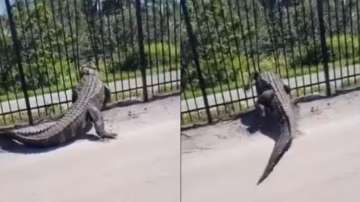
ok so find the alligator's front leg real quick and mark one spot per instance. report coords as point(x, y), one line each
point(107, 95)
point(74, 96)
point(263, 104)
point(260, 108)
point(98, 120)
point(287, 89)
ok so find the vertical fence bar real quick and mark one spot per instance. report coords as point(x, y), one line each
point(193, 44)
point(143, 60)
point(17, 46)
point(324, 49)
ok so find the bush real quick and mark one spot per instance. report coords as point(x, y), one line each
point(47, 74)
point(340, 46)
point(163, 54)
point(222, 71)
point(131, 62)
point(307, 55)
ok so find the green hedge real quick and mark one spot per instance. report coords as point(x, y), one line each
point(340, 47)
point(156, 54)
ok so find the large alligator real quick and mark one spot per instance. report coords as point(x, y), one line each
point(89, 97)
point(274, 96)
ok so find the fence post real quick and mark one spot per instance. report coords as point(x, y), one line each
point(194, 45)
point(17, 49)
point(324, 48)
point(143, 61)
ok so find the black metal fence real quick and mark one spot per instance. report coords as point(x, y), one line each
point(135, 44)
point(313, 44)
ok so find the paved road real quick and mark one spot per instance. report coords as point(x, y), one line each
point(240, 93)
point(63, 96)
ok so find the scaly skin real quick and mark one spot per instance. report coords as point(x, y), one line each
point(274, 96)
point(89, 98)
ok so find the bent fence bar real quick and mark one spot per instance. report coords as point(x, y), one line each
point(313, 44)
point(134, 43)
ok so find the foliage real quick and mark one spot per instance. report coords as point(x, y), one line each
point(343, 46)
point(156, 54)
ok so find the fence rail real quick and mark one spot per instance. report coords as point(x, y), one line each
point(135, 45)
point(313, 44)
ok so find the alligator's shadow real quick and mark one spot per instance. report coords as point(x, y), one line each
point(268, 125)
point(8, 145)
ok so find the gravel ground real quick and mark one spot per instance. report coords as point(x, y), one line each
point(223, 162)
point(142, 164)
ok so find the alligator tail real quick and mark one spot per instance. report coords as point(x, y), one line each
point(7, 134)
point(4, 133)
point(281, 146)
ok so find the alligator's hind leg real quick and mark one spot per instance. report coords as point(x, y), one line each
point(260, 108)
point(263, 108)
point(74, 96)
point(107, 95)
point(263, 104)
point(98, 121)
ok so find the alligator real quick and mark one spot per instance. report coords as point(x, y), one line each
point(89, 97)
point(274, 97)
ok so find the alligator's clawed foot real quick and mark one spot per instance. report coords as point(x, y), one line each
point(109, 135)
point(252, 129)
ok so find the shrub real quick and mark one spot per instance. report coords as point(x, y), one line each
point(46, 74)
point(163, 54)
point(307, 55)
point(340, 46)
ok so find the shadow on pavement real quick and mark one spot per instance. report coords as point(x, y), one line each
point(268, 125)
point(13, 146)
